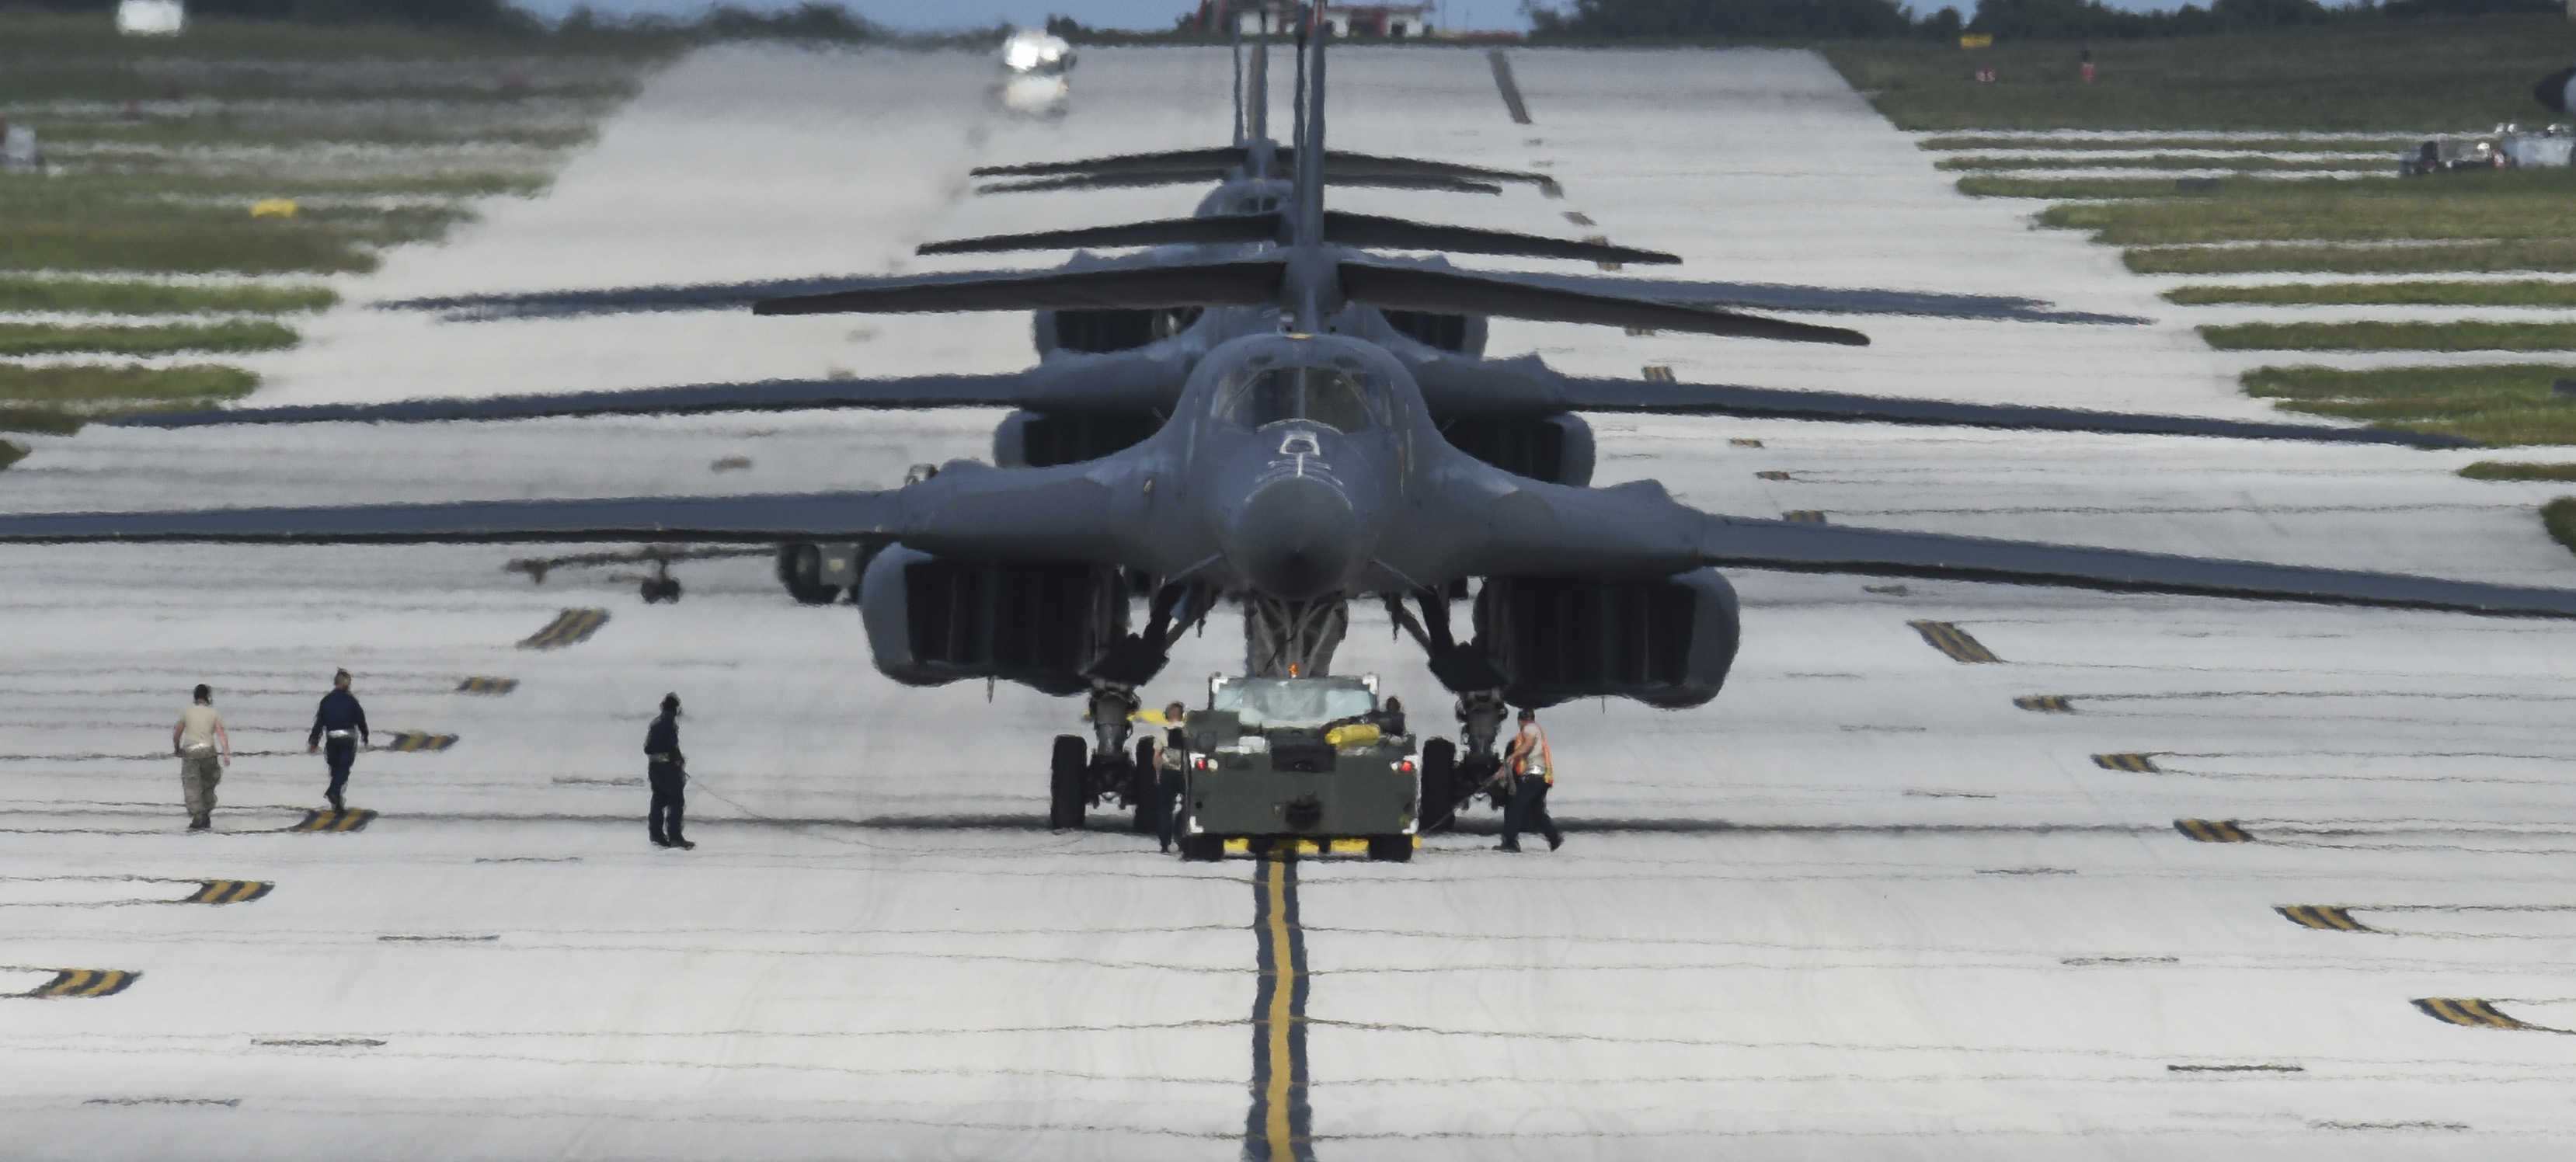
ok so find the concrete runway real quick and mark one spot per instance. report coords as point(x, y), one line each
point(1862, 906)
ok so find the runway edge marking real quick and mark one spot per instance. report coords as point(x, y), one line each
point(2477, 1014)
point(1280, 1125)
point(570, 627)
point(84, 982)
point(229, 891)
point(1952, 640)
point(2323, 917)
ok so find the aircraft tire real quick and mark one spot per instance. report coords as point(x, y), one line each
point(1203, 848)
point(800, 569)
point(1391, 848)
point(1072, 760)
point(1140, 788)
point(1439, 785)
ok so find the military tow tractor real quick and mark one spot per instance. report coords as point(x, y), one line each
point(1275, 759)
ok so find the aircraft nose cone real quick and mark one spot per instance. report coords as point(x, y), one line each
point(1295, 539)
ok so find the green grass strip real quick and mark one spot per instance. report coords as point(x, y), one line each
point(2524, 293)
point(2519, 204)
point(2462, 257)
point(74, 383)
point(2250, 144)
point(178, 246)
point(2515, 470)
point(2559, 517)
point(2159, 161)
point(48, 338)
point(2060, 189)
point(49, 421)
point(2369, 336)
point(2502, 405)
point(10, 453)
point(101, 297)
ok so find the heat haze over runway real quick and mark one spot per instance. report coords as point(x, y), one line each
point(2046, 875)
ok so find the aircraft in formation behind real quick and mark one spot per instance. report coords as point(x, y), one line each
point(1262, 411)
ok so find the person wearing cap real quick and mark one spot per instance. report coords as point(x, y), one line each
point(198, 739)
point(1170, 774)
point(1533, 768)
point(341, 724)
point(667, 769)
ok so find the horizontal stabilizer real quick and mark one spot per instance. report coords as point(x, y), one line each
point(929, 391)
point(730, 519)
point(1642, 396)
point(713, 296)
point(1117, 288)
point(1795, 546)
point(1449, 292)
point(1185, 177)
point(1168, 232)
point(1339, 167)
point(1769, 296)
point(1219, 158)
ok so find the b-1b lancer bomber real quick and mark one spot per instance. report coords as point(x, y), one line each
point(1314, 431)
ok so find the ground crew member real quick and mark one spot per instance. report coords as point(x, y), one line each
point(198, 739)
point(1533, 768)
point(1170, 776)
point(668, 771)
point(1389, 719)
point(343, 724)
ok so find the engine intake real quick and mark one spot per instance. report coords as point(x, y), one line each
point(1554, 449)
point(933, 620)
point(1045, 439)
point(1666, 642)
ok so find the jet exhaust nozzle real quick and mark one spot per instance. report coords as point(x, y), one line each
point(1295, 539)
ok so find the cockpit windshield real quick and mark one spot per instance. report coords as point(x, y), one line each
point(1329, 396)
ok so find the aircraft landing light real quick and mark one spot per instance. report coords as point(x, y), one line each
point(2045, 703)
point(570, 627)
point(412, 740)
point(480, 685)
point(353, 819)
point(2213, 830)
point(2324, 917)
point(83, 982)
point(230, 892)
point(1952, 640)
point(2476, 1014)
point(2136, 764)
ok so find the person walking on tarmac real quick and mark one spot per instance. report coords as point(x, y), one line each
point(197, 739)
point(668, 771)
point(1169, 773)
point(341, 724)
point(1533, 768)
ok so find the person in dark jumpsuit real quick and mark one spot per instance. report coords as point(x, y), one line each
point(1533, 767)
point(1169, 775)
point(667, 769)
point(342, 724)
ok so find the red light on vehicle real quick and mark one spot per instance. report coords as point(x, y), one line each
point(1405, 766)
point(1202, 763)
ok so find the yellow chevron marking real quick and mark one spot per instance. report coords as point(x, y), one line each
point(413, 740)
point(1658, 373)
point(2324, 917)
point(2476, 1014)
point(2045, 703)
point(1771, 476)
point(1952, 640)
point(1741, 442)
point(569, 627)
point(487, 685)
point(353, 819)
point(229, 891)
point(1804, 516)
point(84, 982)
point(2136, 764)
point(2212, 830)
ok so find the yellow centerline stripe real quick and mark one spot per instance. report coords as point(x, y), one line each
point(1283, 993)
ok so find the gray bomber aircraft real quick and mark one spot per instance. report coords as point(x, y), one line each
point(1305, 455)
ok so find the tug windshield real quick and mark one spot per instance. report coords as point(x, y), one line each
point(1292, 701)
point(1328, 396)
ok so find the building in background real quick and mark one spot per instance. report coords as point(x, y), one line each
point(1394, 21)
point(151, 17)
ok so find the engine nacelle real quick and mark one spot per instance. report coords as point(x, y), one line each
point(1667, 642)
point(932, 620)
point(1456, 334)
point(1027, 439)
point(1554, 449)
point(1101, 332)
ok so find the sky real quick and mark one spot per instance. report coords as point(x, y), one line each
point(933, 15)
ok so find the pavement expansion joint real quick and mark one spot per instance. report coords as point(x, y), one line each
point(416, 740)
point(2132, 762)
point(2263, 1068)
point(2476, 1014)
point(227, 1102)
point(353, 819)
point(317, 1042)
point(1950, 639)
point(2324, 917)
point(436, 938)
point(2213, 830)
point(571, 627)
point(230, 892)
point(1279, 1127)
point(2046, 703)
point(483, 685)
point(83, 982)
